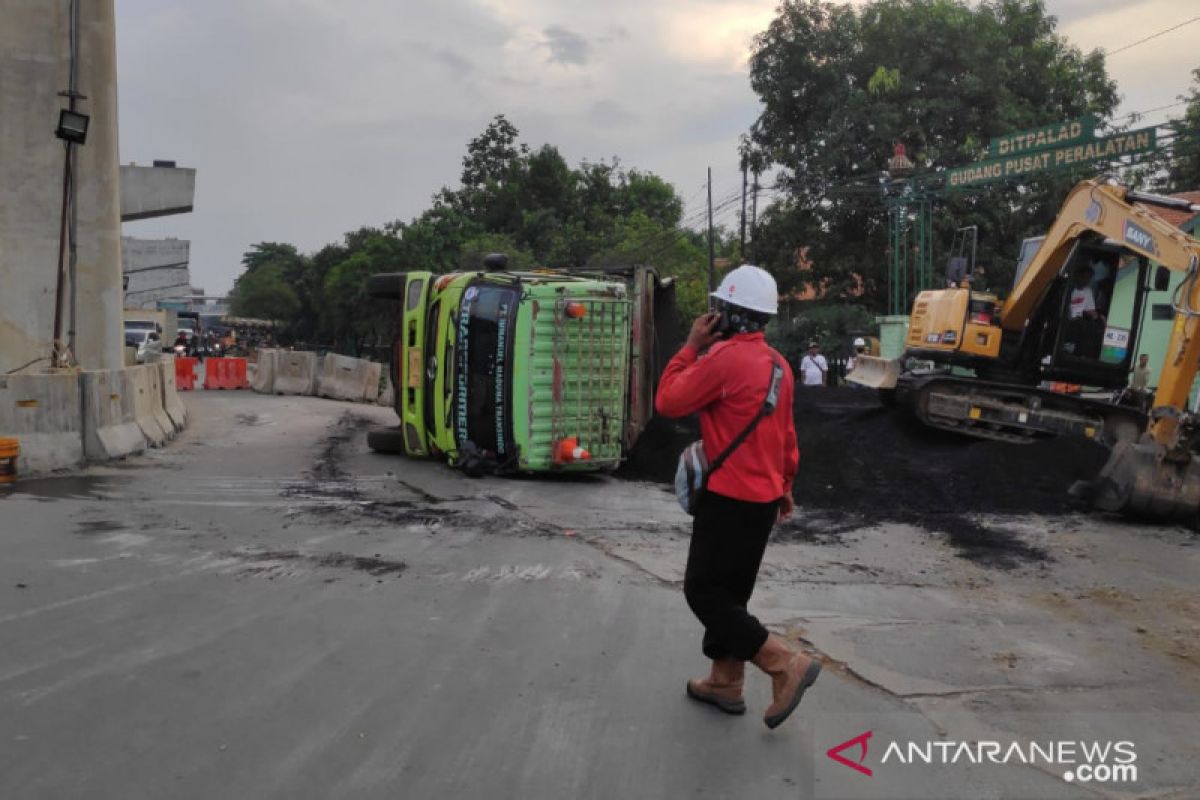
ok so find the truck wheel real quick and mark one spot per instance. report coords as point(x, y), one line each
point(386, 286)
point(386, 440)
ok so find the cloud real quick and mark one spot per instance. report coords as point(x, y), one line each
point(457, 64)
point(611, 114)
point(566, 46)
point(310, 118)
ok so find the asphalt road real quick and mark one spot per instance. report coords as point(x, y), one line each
point(265, 609)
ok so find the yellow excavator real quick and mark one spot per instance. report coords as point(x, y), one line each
point(983, 367)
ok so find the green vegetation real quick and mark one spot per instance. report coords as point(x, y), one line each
point(529, 204)
point(1184, 172)
point(840, 85)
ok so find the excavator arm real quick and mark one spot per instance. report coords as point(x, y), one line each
point(1156, 475)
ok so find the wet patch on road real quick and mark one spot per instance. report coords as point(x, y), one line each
point(64, 487)
point(94, 527)
point(267, 561)
point(988, 545)
point(817, 528)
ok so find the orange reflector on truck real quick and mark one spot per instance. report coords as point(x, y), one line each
point(576, 310)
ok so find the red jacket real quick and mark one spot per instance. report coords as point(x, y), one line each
point(727, 386)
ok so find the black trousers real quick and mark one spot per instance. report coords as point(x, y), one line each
point(728, 540)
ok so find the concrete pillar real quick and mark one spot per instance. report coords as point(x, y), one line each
point(34, 63)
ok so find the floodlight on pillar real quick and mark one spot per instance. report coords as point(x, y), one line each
point(72, 126)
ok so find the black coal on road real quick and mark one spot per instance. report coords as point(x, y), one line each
point(881, 464)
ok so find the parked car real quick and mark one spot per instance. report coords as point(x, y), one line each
point(146, 342)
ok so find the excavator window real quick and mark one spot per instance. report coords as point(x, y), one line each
point(1095, 341)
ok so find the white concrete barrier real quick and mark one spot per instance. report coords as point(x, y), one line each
point(109, 429)
point(295, 373)
point(42, 413)
point(170, 394)
point(374, 373)
point(388, 396)
point(147, 405)
point(263, 381)
point(346, 378)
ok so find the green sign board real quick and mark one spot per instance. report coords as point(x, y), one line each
point(1058, 157)
point(1047, 136)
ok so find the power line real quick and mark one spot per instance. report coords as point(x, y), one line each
point(1133, 114)
point(1153, 36)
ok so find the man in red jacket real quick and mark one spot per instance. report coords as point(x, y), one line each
point(750, 491)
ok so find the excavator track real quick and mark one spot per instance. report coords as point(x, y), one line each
point(1013, 413)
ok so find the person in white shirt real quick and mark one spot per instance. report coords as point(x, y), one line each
point(860, 349)
point(1086, 323)
point(813, 366)
point(1083, 299)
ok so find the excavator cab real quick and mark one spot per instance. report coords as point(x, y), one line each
point(1085, 338)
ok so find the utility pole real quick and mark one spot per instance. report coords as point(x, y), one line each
point(712, 258)
point(742, 234)
point(61, 354)
point(754, 218)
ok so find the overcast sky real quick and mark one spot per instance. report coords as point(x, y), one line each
point(308, 118)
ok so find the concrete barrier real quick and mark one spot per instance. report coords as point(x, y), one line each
point(42, 413)
point(109, 428)
point(263, 380)
point(374, 373)
point(295, 373)
point(170, 394)
point(147, 405)
point(345, 378)
point(388, 396)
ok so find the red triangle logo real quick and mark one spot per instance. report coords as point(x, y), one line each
point(861, 740)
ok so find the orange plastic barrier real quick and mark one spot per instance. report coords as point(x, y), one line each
point(185, 373)
point(225, 373)
point(10, 449)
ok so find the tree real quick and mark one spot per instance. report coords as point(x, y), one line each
point(840, 86)
point(349, 318)
point(263, 293)
point(526, 203)
point(1184, 173)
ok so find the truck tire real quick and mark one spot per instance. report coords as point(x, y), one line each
point(386, 286)
point(386, 440)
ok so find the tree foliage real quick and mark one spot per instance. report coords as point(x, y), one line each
point(1184, 172)
point(527, 203)
point(841, 85)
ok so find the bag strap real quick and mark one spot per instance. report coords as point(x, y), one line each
point(768, 408)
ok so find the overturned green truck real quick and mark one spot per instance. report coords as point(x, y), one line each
point(524, 371)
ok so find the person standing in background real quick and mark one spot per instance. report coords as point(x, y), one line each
point(813, 367)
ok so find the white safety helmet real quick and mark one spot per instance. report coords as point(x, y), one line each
point(750, 287)
point(860, 342)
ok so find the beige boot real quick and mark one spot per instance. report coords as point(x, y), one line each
point(791, 673)
point(723, 687)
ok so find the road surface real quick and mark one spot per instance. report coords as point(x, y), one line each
point(266, 609)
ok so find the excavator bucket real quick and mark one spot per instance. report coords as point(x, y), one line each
point(875, 372)
point(1141, 480)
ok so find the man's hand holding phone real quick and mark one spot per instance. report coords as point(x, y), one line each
point(705, 331)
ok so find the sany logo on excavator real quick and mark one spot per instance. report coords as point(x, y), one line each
point(1139, 237)
point(860, 741)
